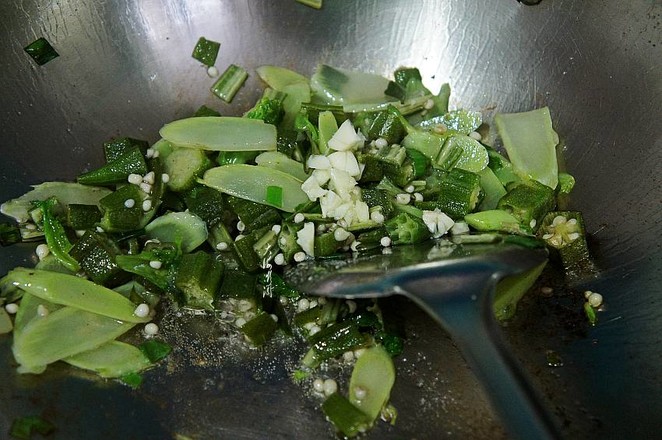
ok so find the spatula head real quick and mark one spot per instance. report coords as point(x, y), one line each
point(380, 272)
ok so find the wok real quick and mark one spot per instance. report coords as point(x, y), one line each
point(125, 69)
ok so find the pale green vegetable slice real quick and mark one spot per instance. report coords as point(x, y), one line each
point(28, 311)
point(494, 220)
point(281, 162)
point(112, 359)
point(531, 143)
point(511, 289)
point(183, 228)
point(64, 192)
point(279, 77)
point(493, 189)
point(371, 381)
point(221, 134)
point(250, 182)
point(70, 290)
point(63, 333)
point(328, 126)
point(474, 156)
point(5, 322)
point(340, 86)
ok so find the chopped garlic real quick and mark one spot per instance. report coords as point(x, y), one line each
point(306, 238)
point(346, 138)
point(437, 222)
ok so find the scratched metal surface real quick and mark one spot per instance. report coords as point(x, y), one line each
point(125, 69)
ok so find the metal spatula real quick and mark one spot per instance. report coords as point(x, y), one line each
point(455, 284)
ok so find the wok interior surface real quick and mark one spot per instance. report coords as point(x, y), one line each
point(125, 70)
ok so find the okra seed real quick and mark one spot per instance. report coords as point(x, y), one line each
point(141, 311)
point(360, 393)
point(381, 143)
point(241, 226)
point(279, 259)
point(340, 234)
point(155, 264)
point(312, 304)
point(276, 228)
point(299, 218)
point(151, 329)
point(314, 329)
point(559, 219)
point(318, 385)
point(239, 237)
point(330, 387)
point(222, 246)
point(145, 187)
point(212, 71)
point(403, 198)
point(533, 223)
point(348, 356)
point(100, 229)
point(595, 299)
point(165, 178)
point(377, 216)
point(385, 241)
point(299, 256)
point(42, 310)
point(11, 308)
point(129, 203)
point(418, 197)
point(355, 245)
point(410, 189)
point(239, 322)
point(149, 178)
point(475, 135)
point(428, 104)
point(80, 232)
point(149, 153)
point(135, 179)
point(274, 317)
point(147, 205)
point(303, 304)
point(31, 227)
point(42, 251)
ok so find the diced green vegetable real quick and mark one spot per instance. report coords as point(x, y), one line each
point(207, 203)
point(184, 166)
point(269, 108)
point(223, 133)
point(253, 215)
point(494, 220)
point(405, 228)
point(81, 217)
point(529, 201)
point(347, 418)
point(116, 171)
point(250, 182)
point(96, 255)
point(41, 51)
point(199, 278)
point(229, 83)
point(206, 51)
point(564, 231)
point(259, 329)
point(56, 237)
point(114, 149)
point(459, 194)
point(9, 234)
point(492, 188)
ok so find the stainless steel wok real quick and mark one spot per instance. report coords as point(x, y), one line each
point(125, 69)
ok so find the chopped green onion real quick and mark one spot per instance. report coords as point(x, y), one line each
point(206, 51)
point(229, 83)
point(274, 196)
point(41, 51)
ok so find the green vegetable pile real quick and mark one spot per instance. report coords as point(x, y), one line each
point(207, 218)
